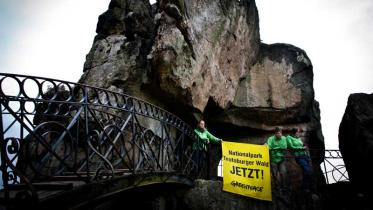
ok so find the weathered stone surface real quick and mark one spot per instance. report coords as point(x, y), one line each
point(203, 49)
point(209, 195)
point(126, 17)
point(356, 141)
point(198, 53)
point(117, 60)
point(278, 89)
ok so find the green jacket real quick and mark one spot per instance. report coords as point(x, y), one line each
point(296, 144)
point(276, 147)
point(204, 136)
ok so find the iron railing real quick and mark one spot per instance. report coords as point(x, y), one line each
point(333, 167)
point(57, 130)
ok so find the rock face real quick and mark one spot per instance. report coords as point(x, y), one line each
point(204, 59)
point(203, 48)
point(356, 141)
point(117, 60)
point(276, 91)
point(282, 81)
point(209, 195)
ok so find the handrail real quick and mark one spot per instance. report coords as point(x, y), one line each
point(110, 99)
point(54, 128)
point(333, 167)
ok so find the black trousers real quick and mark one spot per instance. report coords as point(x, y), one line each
point(200, 164)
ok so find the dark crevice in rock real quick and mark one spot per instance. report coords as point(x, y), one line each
point(212, 109)
point(173, 11)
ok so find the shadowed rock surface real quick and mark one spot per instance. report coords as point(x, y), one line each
point(209, 195)
point(356, 141)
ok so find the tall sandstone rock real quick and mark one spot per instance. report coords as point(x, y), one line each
point(356, 141)
point(205, 59)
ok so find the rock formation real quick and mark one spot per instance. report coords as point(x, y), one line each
point(205, 59)
point(204, 53)
point(356, 141)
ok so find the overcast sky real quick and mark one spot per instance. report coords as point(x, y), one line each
point(51, 38)
point(47, 37)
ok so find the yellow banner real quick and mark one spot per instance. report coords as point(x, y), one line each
point(246, 170)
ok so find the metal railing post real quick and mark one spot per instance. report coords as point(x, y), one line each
point(326, 173)
point(3, 155)
point(86, 131)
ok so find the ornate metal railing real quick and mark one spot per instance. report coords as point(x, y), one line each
point(334, 168)
point(332, 164)
point(57, 130)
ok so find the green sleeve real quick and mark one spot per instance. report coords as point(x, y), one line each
point(212, 137)
point(199, 134)
point(289, 141)
point(270, 143)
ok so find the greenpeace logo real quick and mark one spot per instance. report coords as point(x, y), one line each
point(246, 186)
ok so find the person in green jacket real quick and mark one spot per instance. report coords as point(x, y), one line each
point(204, 137)
point(277, 144)
point(301, 157)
